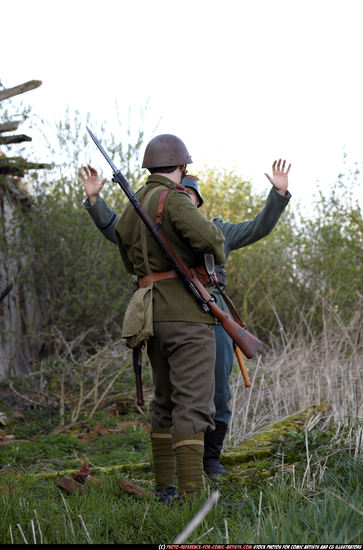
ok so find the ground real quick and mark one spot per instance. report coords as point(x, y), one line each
point(299, 480)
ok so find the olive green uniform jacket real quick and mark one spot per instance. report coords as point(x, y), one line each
point(189, 233)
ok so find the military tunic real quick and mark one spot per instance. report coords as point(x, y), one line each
point(188, 232)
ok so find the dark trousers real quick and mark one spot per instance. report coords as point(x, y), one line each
point(182, 357)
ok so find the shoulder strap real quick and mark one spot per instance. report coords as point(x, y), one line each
point(161, 206)
point(141, 227)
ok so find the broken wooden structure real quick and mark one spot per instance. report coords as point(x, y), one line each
point(17, 306)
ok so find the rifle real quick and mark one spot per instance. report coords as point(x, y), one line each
point(6, 292)
point(238, 332)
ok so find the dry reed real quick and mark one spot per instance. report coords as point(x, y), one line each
point(301, 371)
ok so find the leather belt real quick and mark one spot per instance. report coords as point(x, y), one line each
point(198, 272)
point(144, 281)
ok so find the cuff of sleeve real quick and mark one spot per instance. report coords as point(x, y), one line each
point(87, 204)
point(285, 197)
point(102, 215)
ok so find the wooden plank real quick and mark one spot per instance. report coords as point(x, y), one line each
point(9, 126)
point(19, 138)
point(21, 89)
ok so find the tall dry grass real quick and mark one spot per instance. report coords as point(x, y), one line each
point(299, 370)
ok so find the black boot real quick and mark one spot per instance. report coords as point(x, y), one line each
point(167, 496)
point(213, 443)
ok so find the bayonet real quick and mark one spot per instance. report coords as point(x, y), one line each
point(114, 169)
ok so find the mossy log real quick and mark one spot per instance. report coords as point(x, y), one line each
point(95, 470)
point(261, 444)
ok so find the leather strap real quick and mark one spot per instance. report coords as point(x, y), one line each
point(141, 228)
point(229, 304)
point(160, 276)
point(161, 205)
point(198, 271)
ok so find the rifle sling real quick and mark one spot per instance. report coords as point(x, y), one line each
point(229, 304)
point(141, 228)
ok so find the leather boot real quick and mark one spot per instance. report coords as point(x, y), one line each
point(189, 459)
point(164, 464)
point(213, 443)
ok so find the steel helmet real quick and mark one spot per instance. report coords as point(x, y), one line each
point(192, 182)
point(165, 150)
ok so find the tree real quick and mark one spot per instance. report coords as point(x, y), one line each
point(78, 277)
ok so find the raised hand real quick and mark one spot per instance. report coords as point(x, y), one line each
point(279, 177)
point(92, 184)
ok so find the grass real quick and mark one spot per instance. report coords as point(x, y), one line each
point(297, 481)
point(312, 495)
point(286, 515)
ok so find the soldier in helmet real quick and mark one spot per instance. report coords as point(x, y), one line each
point(181, 346)
point(236, 235)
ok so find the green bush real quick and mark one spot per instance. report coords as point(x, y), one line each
point(308, 269)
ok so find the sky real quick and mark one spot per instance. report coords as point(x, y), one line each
point(241, 82)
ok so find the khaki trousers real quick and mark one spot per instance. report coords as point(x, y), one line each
point(182, 357)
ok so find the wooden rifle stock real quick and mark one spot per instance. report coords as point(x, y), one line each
point(242, 366)
point(239, 334)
